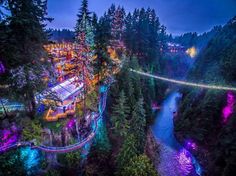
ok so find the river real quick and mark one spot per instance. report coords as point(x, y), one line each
point(175, 160)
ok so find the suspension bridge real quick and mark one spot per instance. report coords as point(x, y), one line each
point(186, 83)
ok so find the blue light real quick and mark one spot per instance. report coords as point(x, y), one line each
point(41, 108)
point(99, 134)
point(31, 159)
point(103, 89)
point(197, 166)
point(50, 84)
point(85, 150)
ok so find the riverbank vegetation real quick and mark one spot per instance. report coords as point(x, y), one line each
point(105, 48)
point(202, 115)
point(117, 147)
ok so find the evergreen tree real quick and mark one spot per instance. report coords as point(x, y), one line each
point(10, 162)
point(127, 152)
point(128, 35)
point(99, 154)
point(83, 14)
point(126, 84)
point(111, 13)
point(94, 22)
point(139, 166)
point(83, 28)
point(144, 37)
point(136, 79)
point(117, 25)
point(138, 124)
point(71, 159)
point(22, 49)
point(84, 32)
point(102, 37)
point(120, 115)
point(98, 162)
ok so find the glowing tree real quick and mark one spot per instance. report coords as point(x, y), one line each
point(117, 28)
point(85, 46)
point(117, 25)
point(23, 52)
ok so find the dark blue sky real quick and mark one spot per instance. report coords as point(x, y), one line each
point(178, 16)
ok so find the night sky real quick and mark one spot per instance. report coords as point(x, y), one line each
point(178, 16)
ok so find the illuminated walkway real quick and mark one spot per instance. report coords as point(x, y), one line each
point(184, 82)
point(10, 106)
point(76, 146)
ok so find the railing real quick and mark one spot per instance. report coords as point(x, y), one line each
point(69, 148)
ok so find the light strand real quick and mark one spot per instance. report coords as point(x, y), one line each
point(184, 82)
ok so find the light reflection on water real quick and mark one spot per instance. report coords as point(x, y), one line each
point(163, 130)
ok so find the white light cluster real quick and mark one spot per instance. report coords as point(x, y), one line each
point(184, 82)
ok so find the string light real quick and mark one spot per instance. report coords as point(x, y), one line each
point(184, 82)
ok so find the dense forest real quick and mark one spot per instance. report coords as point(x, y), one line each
point(103, 53)
point(64, 35)
point(194, 39)
point(134, 38)
point(201, 112)
point(130, 98)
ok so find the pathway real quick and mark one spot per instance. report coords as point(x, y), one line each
point(76, 146)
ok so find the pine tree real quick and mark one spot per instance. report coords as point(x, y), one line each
point(125, 77)
point(117, 32)
point(102, 37)
point(117, 24)
point(111, 12)
point(84, 14)
point(144, 37)
point(84, 32)
point(139, 166)
point(23, 51)
point(127, 152)
point(128, 35)
point(138, 124)
point(83, 26)
point(99, 154)
point(120, 115)
point(136, 79)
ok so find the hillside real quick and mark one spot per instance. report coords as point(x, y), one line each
point(198, 40)
point(201, 118)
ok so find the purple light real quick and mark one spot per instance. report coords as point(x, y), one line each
point(6, 134)
point(2, 68)
point(8, 137)
point(228, 109)
point(185, 161)
point(71, 123)
point(189, 144)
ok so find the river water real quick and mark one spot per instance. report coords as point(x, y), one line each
point(175, 160)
